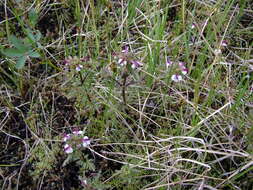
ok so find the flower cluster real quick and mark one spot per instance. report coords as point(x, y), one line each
point(74, 140)
point(181, 68)
point(125, 58)
point(74, 62)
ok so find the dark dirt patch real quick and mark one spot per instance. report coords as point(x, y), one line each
point(2, 12)
point(48, 25)
point(64, 110)
point(13, 149)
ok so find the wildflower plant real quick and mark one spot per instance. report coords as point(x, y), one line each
point(158, 127)
point(126, 58)
point(74, 63)
point(180, 69)
point(129, 66)
point(74, 141)
point(72, 66)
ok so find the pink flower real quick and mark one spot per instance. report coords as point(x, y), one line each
point(79, 68)
point(184, 70)
point(181, 64)
point(66, 62)
point(168, 63)
point(176, 78)
point(66, 137)
point(193, 26)
point(85, 141)
point(125, 50)
point(68, 149)
point(77, 132)
point(122, 62)
point(84, 182)
point(224, 43)
point(136, 64)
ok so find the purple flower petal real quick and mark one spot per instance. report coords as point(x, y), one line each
point(168, 63)
point(77, 132)
point(66, 137)
point(66, 62)
point(184, 70)
point(181, 64)
point(122, 62)
point(176, 78)
point(85, 141)
point(136, 64)
point(224, 43)
point(68, 149)
point(125, 50)
point(193, 26)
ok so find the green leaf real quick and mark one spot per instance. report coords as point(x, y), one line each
point(38, 35)
point(34, 54)
point(13, 52)
point(28, 43)
point(19, 44)
point(33, 17)
point(30, 35)
point(20, 62)
point(16, 42)
point(39, 45)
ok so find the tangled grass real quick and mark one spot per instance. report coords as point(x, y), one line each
point(162, 91)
